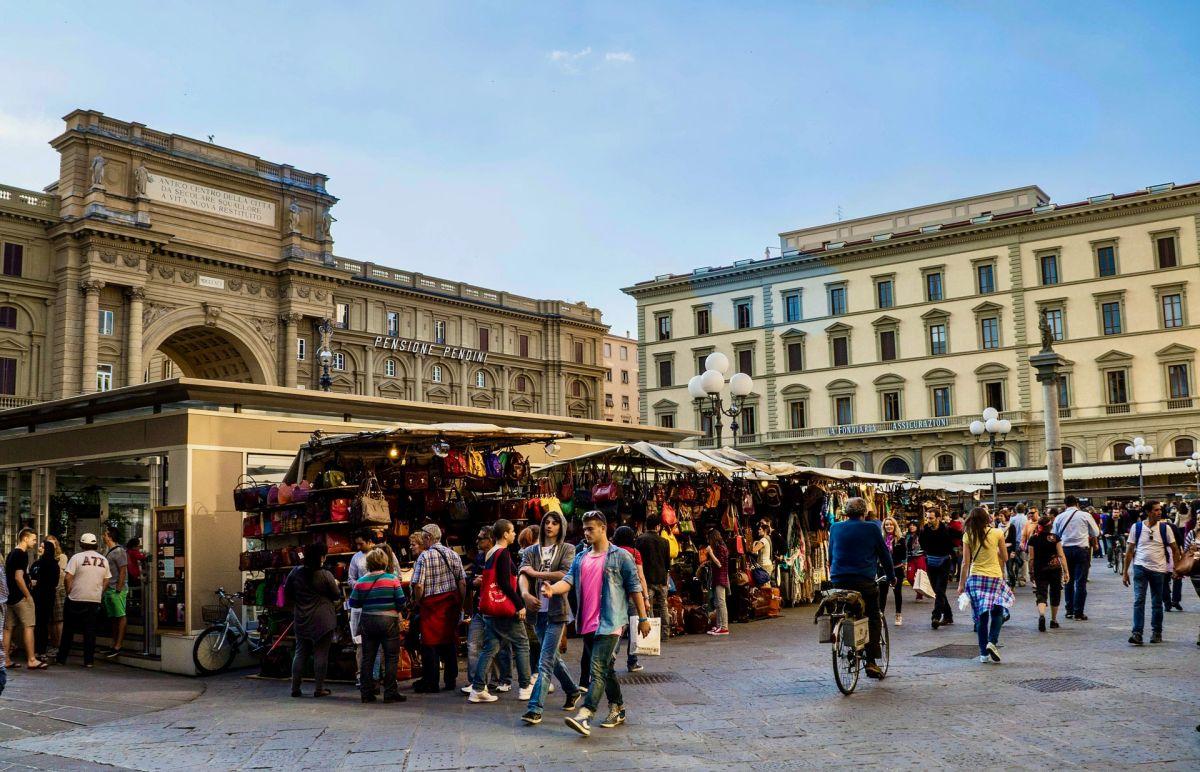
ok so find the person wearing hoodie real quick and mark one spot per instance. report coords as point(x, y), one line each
point(545, 562)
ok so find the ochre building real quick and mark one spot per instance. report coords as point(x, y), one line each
point(620, 360)
point(155, 256)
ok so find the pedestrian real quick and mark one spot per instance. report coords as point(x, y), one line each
point(955, 524)
point(916, 559)
point(499, 676)
point(438, 586)
point(3, 638)
point(22, 611)
point(379, 596)
point(529, 537)
point(605, 580)
point(503, 616)
point(624, 538)
point(364, 542)
point(1016, 554)
point(656, 566)
point(60, 598)
point(857, 556)
point(313, 593)
point(545, 563)
point(1078, 531)
point(938, 543)
point(116, 594)
point(762, 552)
point(1107, 533)
point(1152, 551)
point(982, 577)
point(716, 555)
point(898, 547)
point(87, 576)
point(1032, 519)
point(46, 576)
point(1191, 544)
point(1049, 571)
point(1174, 600)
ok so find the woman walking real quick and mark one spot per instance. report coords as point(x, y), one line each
point(312, 593)
point(378, 594)
point(982, 577)
point(1049, 567)
point(716, 554)
point(46, 576)
point(896, 544)
point(503, 616)
point(938, 542)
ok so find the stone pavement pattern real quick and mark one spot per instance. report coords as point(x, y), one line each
point(761, 698)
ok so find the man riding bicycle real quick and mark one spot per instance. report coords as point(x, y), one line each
point(858, 555)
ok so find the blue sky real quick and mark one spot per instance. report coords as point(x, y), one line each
point(568, 149)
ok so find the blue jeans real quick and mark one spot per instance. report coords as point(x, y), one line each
point(503, 661)
point(1157, 581)
point(496, 632)
point(549, 633)
point(1079, 560)
point(603, 677)
point(988, 627)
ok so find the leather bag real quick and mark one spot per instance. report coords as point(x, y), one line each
point(339, 510)
point(493, 466)
point(475, 465)
point(370, 506)
point(456, 464)
point(607, 492)
point(249, 494)
point(416, 479)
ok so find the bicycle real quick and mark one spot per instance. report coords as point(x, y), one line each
point(222, 639)
point(842, 622)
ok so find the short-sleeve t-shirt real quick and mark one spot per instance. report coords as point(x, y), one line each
point(1150, 553)
point(591, 586)
point(117, 558)
point(637, 555)
point(721, 572)
point(91, 573)
point(17, 560)
point(1045, 548)
point(985, 559)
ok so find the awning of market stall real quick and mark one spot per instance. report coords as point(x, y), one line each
point(447, 431)
point(939, 484)
point(1091, 472)
point(674, 459)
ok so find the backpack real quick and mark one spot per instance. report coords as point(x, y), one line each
point(1162, 533)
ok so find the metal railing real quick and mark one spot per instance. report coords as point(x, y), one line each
point(1116, 409)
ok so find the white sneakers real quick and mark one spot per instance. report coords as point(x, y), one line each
point(527, 692)
point(899, 620)
point(481, 696)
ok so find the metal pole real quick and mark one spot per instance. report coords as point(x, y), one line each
point(1141, 481)
point(992, 454)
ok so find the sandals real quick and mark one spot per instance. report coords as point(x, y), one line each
point(39, 666)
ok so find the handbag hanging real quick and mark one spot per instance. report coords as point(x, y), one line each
point(370, 506)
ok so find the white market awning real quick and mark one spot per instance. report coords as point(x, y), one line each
point(1091, 472)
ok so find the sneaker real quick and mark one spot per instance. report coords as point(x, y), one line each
point(482, 696)
point(946, 621)
point(720, 631)
point(636, 667)
point(899, 620)
point(504, 688)
point(550, 688)
point(1054, 625)
point(1156, 638)
point(935, 624)
point(397, 697)
point(466, 689)
point(616, 717)
point(1081, 617)
point(532, 717)
point(581, 722)
point(1042, 623)
point(524, 693)
point(874, 671)
point(712, 631)
point(1136, 639)
point(112, 654)
point(573, 700)
point(993, 652)
point(1070, 615)
point(984, 658)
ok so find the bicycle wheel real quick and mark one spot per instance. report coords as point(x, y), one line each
point(845, 658)
point(214, 650)
point(885, 643)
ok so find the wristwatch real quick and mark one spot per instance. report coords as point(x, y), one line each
point(643, 619)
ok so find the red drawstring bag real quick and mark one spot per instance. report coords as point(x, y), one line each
point(492, 600)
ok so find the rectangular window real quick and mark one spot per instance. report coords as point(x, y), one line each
point(945, 463)
point(887, 345)
point(883, 294)
point(301, 349)
point(933, 286)
point(106, 322)
point(1116, 388)
point(989, 329)
point(700, 363)
point(993, 392)
point(624, 376)
point(664, 373)
point(624, 353)
point(393, 324)
point(1054, 318)
point(104, 377)
point(1049, 266)
point(937, 339)
point(339, 361)
point(1106, 261)
point(667, 420)
point(608, 375)
point(1064, 393)
point(664, 327)
point(523, 345)
point(837, 301)
point(439, 332)
point(608, 351)
point(985, 275)
point(841, 351)
point(941, 401)
point(1172, 307)
point(843, 411)
point(743, 315)
point(1164, 246)
point(797, 414)
point(1177, 379)
point(891, 406)
point(14, 256)
point(8, 375)
point(8, 318)
point(791, 307)
point(608, 400)
point(341, 316)
point(795, 357)
point(702, 322)
point(624, 401)
point(578, 352)
point(746, 361)
point(1111, 313)
point(747, 425)
point(485, 339)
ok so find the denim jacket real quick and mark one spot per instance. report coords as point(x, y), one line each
point(620, 579)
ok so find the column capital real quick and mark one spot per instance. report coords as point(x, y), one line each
point(292, 318)
point(135, 293)
point(91, 287)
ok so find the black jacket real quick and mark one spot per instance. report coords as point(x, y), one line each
point(656, 557)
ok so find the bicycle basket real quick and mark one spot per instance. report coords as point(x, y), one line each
point(212, 614)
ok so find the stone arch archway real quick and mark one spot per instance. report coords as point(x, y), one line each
point(221, 347)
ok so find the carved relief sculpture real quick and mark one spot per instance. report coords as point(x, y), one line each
point(141, 178)
point(153, 311)
point(265, 328)
point(98, 171)
point(293, 217)
point(211, 314)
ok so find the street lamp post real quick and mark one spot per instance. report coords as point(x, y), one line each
point(325, 355)
point(706, 391)
point(1140, 451)
point(1193, 463)
point(994, 427)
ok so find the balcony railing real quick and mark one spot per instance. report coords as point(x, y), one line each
point(9, 401)
point(1182, 403)
point(1116, 409)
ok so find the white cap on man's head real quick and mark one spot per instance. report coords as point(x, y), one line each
point(88, 540)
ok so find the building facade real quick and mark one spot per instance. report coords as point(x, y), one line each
point(155, 255)
point(873, 343)
point(620, 359)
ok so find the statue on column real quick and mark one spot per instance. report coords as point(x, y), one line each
point(141, 178)
point(98, 164)
point(326, 226)
point(1047, 333)
point(293, 217)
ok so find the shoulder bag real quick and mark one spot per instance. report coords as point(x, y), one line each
point(492, 600)
point(370, 506)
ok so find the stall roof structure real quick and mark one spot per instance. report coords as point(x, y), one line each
point(674, 459)
point(1089, 472)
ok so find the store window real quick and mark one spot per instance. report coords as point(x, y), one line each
point(1165, 247)
point(14, 256)
point(8, 375)
point(104, 377)
point(703, 325)
point(8, 318)
point(389, 368)
point(393, 324)
point(106, 322)
point(945, 463)
point(791, 307)
point(942, 406)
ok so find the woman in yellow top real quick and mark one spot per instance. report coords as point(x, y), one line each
point(984, 555)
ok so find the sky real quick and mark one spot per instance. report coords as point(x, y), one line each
point(568, 149)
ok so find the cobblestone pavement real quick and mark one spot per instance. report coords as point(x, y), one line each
point(761, 698)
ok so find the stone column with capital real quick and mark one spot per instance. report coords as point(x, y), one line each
point(291, 324)
point(369, 370)
point(133, 340)
point(91, 334)
point(504, 379)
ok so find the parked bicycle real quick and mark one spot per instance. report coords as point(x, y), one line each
point(217, 647)
point(842, 621)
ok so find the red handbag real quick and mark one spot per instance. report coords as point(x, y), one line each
point(456, 464)
point(492, 600)
point(339, 510)
point(669, 518)
point(606, 493)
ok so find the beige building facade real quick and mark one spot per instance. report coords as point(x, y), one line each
point(620, 358)
point(873, 343)
point(156, 255)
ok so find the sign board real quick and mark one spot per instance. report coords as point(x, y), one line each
point(212, 282)
point(202, 198)
point(424, 349)
point(890, 426)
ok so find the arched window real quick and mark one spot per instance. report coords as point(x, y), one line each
point(945, 463)
point(848, 465)
point(999, 459)
point(521, 384)
point(8, 318)
point(389, 368)
point(480, 379)
point(1068, 454)
point(1184, 447)
point(895, 465)
point(437, 373)
point(1119, 451)
point(576, 389)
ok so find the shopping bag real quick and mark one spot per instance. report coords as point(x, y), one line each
point(651, 644)
point(922, 584)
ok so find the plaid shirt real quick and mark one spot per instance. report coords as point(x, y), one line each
point(438, 570)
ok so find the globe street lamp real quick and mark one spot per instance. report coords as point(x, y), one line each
point(706, 391)
point(325, 355)
point(994, 427)
point(1193, 463)
point(1141, 451)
